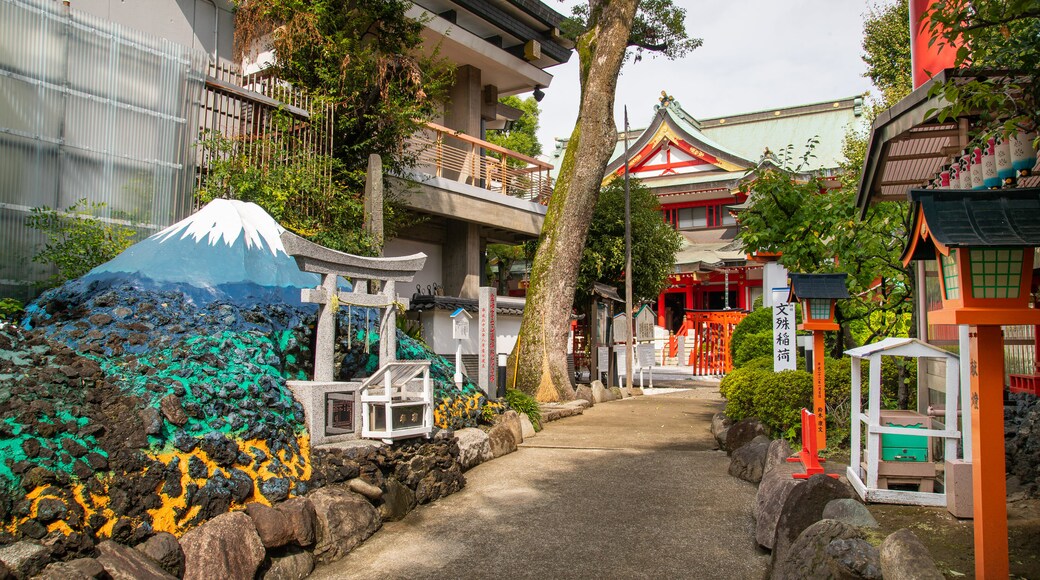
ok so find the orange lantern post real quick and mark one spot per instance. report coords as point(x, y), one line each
point(818, 293)
point(984, 242)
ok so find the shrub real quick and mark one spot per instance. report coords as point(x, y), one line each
point(11, 309)
point(779, 399)
point(753, 346)
point(759, 320)
point(77, 240)
point(739, 388)
point(759, 363)
point(523, 403)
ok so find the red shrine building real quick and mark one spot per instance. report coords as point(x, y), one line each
point(700, 171)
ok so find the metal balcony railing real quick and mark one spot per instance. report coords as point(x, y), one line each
point(449, 154)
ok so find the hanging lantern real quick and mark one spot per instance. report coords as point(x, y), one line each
point(984, 245)
point(1005, 170)
point(990, 180)
point(1023, 157)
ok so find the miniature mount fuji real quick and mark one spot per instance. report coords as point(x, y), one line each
point(228, 250)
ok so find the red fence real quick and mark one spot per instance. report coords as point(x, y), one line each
point(708, 336)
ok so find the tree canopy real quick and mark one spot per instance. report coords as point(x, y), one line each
point(654, 243)
point(999, 40)
point(365, 57)
point(522, 137)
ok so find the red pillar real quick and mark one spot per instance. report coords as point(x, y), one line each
point(660, 311)
point(987, 443)
point(689, 296)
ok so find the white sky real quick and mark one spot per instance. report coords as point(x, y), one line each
point(757, 55)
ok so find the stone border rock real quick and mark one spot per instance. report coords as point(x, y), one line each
point(821, 535)
point(353, 491)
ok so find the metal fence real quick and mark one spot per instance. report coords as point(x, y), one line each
point(266, 119)
point(89, 109)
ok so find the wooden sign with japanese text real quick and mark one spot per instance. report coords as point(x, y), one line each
point(784, 352)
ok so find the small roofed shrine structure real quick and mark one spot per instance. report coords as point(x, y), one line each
point(898, 442)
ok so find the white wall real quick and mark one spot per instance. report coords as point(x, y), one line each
point(431, 272)
point(437, 326)
point(187, 22)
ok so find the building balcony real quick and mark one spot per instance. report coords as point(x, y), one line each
point(447, 154)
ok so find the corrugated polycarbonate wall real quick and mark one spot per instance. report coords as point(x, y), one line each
point(89, 109)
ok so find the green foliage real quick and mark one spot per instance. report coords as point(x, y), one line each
point(523, 403)
point(654, 243)
point(11, 309)
point(522, 137)
point(365, 57)
point(991, 35)
point(659, 28)
point(762, 363)
point(752, 346)
point(886, 47)
point(738, 387)
point(758, 320)
point(819, 232)
point(77, 239)
point(780, 397)
point(500, 261)
point(295, 190)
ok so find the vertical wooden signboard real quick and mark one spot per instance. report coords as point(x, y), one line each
point(488, 367)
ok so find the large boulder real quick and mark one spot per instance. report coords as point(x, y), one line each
point(398, 500)
point(226, 546)
point(584, 392)
point(742, 432)
point(300, 515)
point(779, 451)
point(803, 508)
point(773, 490)
point(502, 440)
point(720, 423)
point(23, 559)
point(748, 462)
point(271, 525)
point(79, 569)
point(829, 549)
point(166, 551)
point(345, 519)
point(850, 511)
point(474, 447)
point(125, 563)
point(288, 563)
point(903, 556)
point(511, 419)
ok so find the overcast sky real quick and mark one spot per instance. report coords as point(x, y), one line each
point(757, 55)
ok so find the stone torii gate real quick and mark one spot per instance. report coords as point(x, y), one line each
point(320, 396)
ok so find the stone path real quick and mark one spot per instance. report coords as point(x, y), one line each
point(630, 489)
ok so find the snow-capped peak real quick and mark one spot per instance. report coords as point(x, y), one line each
point(227, 220)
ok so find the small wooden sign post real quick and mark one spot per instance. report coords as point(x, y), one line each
point(459, 332)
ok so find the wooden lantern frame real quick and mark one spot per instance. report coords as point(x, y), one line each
point(966, 229)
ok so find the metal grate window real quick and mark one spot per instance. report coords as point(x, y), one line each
point(996, 272)
point(950, 275)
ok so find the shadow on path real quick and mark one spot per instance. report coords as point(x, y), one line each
point(630, 489)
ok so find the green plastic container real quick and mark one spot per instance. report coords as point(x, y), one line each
point(904, 447)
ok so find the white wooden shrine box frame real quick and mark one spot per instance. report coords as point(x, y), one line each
point(399, 386)
point(906, 347)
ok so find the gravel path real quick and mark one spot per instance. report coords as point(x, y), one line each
point(630, 489)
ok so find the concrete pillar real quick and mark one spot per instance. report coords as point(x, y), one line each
point(461, 262)
point(465, 102)
point(374, 201)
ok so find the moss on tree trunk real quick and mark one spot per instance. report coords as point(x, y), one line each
point(538, 363)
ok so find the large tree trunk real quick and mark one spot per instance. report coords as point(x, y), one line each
point(538, 363)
